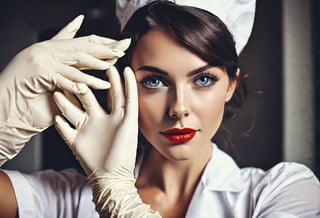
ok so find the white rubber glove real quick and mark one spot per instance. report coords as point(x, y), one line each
point(106, 144)
point(26, 104)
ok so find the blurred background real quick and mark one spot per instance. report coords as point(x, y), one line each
point(279, 120)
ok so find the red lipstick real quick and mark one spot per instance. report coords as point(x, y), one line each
point(179, 136)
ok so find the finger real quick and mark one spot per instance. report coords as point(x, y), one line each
point(121, 45)
point(49, 82)
point(70, 30)
point(117, 95)
point(83, 44)
point(130, 121)
point(76, 75)
point(88, 100)
point(66, 132)
point(131, 113)
point(97, 39)
point(82, 60)
point(72, 98)
point(69, 111)
point(57, 81)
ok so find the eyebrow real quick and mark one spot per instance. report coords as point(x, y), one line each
point(160, 71)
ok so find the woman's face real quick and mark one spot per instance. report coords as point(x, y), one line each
point(181, 97)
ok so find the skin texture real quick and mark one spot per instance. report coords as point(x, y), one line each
point(7, 200)
point(175, 93)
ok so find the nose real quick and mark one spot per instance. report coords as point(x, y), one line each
point(179, 107)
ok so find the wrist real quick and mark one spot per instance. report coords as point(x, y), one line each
point(10, 142)
point(116, 196)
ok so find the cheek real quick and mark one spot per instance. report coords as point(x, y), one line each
point(211, 112)
point(151, 112)
point(216, 115)
point(216, 104)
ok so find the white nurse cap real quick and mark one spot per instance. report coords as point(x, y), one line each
point(238, 15)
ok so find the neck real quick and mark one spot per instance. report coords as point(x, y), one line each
point(173, 177)
point(168, 185)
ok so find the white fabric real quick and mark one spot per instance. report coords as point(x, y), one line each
point(53, 194)
point(238, 15)
point(287, 190)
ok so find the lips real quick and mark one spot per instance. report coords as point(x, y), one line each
point(179, 136)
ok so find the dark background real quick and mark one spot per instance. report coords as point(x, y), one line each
point(316, 53)
point(257, 130)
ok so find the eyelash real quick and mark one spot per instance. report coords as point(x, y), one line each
point(212, 77)
point(146, 80)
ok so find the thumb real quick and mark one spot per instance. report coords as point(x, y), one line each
point(70, 30)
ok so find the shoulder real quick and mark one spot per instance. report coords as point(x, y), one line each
point(282, 172)
point(288, 188)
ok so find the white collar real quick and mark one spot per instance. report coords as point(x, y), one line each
point(222, 173)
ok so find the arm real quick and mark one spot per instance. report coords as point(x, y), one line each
point(8, 201)
point(288, 189)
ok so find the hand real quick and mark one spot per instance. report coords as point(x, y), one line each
point(99, 138)
point(106, 145)
point(26, 84)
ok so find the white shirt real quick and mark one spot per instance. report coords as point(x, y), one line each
point(224, 190)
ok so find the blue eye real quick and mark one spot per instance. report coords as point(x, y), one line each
point(152, 82)
point(205, 80)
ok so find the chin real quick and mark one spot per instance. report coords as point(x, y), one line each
point(180, 153)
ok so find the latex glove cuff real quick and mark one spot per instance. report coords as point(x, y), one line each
point(12, 139)
point(116, 196)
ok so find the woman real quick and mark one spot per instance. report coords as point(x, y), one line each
point(186, 68)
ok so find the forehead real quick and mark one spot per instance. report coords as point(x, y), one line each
point(158, 47)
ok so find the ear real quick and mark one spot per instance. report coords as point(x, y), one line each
point(232, 86)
